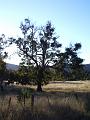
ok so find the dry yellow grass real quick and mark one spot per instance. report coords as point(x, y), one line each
point(67, 105)
point(67, 86)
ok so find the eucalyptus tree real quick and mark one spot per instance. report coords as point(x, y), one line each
point(39, 47)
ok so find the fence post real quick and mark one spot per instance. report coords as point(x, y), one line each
point(24, 100)
point(32, 102)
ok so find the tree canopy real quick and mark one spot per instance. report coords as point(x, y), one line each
point(42, 52)
point(69, 65)
point(39, 47)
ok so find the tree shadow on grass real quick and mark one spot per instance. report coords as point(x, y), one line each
point(14, 90)
point(80, 98)
point(56, 113)
point(67, 113)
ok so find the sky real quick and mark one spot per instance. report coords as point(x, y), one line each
point(71, 19)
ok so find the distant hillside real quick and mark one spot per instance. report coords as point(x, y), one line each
point(87, 67)
point(11, 66)
point(15, 67)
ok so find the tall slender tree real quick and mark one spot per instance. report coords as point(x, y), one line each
point(3, 55)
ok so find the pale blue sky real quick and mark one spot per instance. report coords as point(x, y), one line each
point(71, 18)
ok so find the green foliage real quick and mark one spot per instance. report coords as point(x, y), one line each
point(3, 45)
point(69, 65)
point(2, 55)
point(24, 93)
point(40, 52)
point(86, 75)
point(38, 47)
point(2, 67)
point(26, 74)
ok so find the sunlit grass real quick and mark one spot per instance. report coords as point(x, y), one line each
point(67, 86)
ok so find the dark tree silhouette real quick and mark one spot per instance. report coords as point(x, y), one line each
point(39, 48)
point(69, 65)
point(3, 55)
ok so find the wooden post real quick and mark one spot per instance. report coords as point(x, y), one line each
point(32, 102)
point(24, 100)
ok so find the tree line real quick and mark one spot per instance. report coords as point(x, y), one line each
point(42, 59)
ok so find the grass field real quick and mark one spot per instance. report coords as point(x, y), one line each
point(59, 100)
point(67, 86)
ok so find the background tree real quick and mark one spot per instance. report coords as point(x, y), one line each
point(39, 47)
point(3, 55)
point(26, 74)
point(2, 68)
point(69, 65)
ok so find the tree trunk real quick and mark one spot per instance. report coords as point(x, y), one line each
point(1, 85)
point(39, 79)
point(39, 87)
